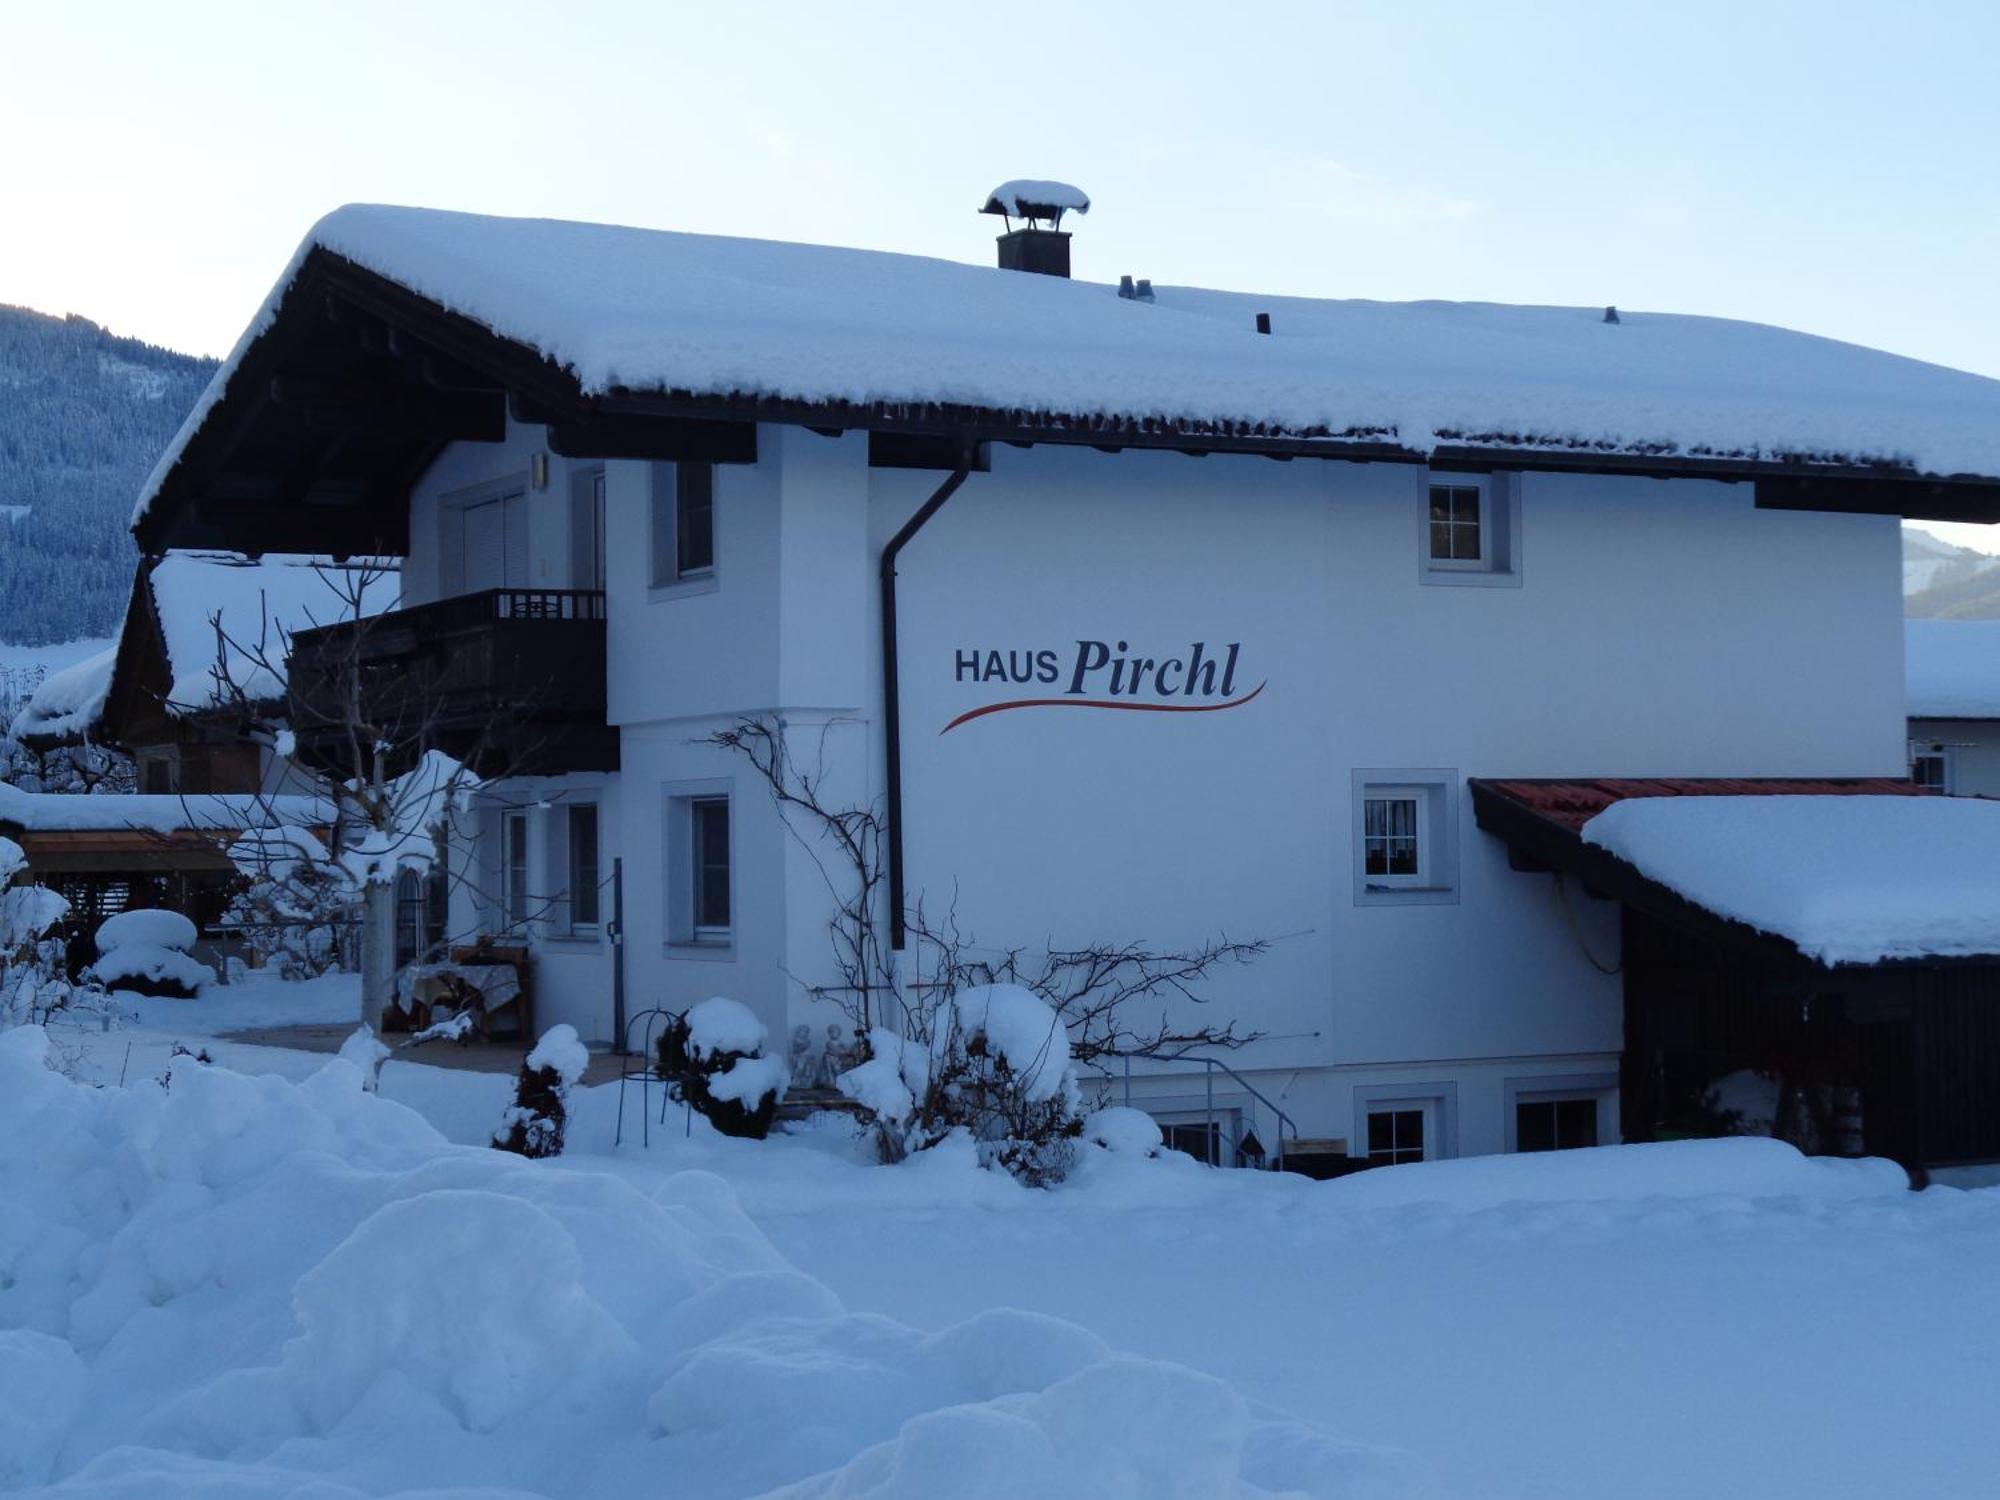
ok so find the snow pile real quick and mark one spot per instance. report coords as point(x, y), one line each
point(1020, 1027)
point(748, 1081)
point(561, 1051)
point(1847, 879)
point(1121, 1129)
point(227, 620)
point(720, 317)
point(896, 1075)
point(1745, 1167)
point(275, 853)
point(251, 1286)
point(26, 911)
point(1952, 668)
point(719, 1024)
point(68, 703)
point(156, 927)
point(149, 949)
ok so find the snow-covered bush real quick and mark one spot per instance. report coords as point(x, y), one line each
point(997, 1067)
point(33, 985)
point(294, 899)
point(147, 952)
point(713, 1057)
point(534, 1125)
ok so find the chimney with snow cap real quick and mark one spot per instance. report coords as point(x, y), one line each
point(1040, 244)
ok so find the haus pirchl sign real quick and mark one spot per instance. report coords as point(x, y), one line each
point(1110, 675)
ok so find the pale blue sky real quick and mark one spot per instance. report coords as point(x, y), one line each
point(1825, 166)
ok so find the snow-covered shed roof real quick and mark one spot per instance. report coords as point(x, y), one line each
point(68, 704)
point(70, 812)
point(617, 311)
point(1846, 880)
point(226, 620)
point(1834, 871)
point(1952, 668)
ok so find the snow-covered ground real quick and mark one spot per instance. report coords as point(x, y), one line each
point(276, 1279)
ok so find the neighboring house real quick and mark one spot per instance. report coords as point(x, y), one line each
point(1136, 622)
point(194, 690)
point(1953, 686)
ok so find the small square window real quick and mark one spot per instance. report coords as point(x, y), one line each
point(1405, 836)
point(1470, 530)
point(1454, 524)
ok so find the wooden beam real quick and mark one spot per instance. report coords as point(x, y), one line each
point(691, 439)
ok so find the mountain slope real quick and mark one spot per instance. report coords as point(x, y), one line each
point(1942, 581)
point(83, 416)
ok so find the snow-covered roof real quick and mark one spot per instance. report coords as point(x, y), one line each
point(649, 310)
point(67, 812)
point(1857, 879)
point(1952, 668)
point(255, 606)
point(69, 702)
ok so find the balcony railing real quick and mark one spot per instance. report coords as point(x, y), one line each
point(512, 679)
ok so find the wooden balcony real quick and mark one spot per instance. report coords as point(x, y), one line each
point(512, 681)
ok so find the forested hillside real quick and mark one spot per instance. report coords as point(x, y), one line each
point(83, 416)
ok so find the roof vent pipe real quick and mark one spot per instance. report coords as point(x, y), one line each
point(1040, 244)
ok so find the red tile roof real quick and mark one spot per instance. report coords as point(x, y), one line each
point(1574, 803)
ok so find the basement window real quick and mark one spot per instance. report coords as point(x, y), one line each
point(1563, 1124)
point(1470, 529)
point(1397, 1134)
point(1930, 766)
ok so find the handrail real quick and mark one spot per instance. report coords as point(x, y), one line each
point(472, 610)
point(1211, 1066)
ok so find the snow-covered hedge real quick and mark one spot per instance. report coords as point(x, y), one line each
point(538, 1120)
point(147, 952)
point(713, 1058)
point(996, 1066)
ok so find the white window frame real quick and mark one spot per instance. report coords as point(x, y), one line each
point(1947, 769)
point(668, 579)
point(451, 528)
point(1438, 1101)
point(684, 938)
point(1436, 791)
point(559, 857)
point(1548, 1088)
point(1499, 559)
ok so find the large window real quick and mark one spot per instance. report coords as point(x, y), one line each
point(586, 536)
point(683, 523)
point(585, 882)
point(709, 827)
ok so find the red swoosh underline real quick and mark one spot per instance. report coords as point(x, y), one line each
point(1138, 708)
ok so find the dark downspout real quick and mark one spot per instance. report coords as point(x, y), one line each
point(892, 713)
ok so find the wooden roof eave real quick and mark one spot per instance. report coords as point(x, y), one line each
point(448, 347)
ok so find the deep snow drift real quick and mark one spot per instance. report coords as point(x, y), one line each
point(222, 1284)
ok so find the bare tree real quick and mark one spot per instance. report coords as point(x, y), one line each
point(1115, 999)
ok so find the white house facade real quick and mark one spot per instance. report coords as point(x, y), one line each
point(1154, 681)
